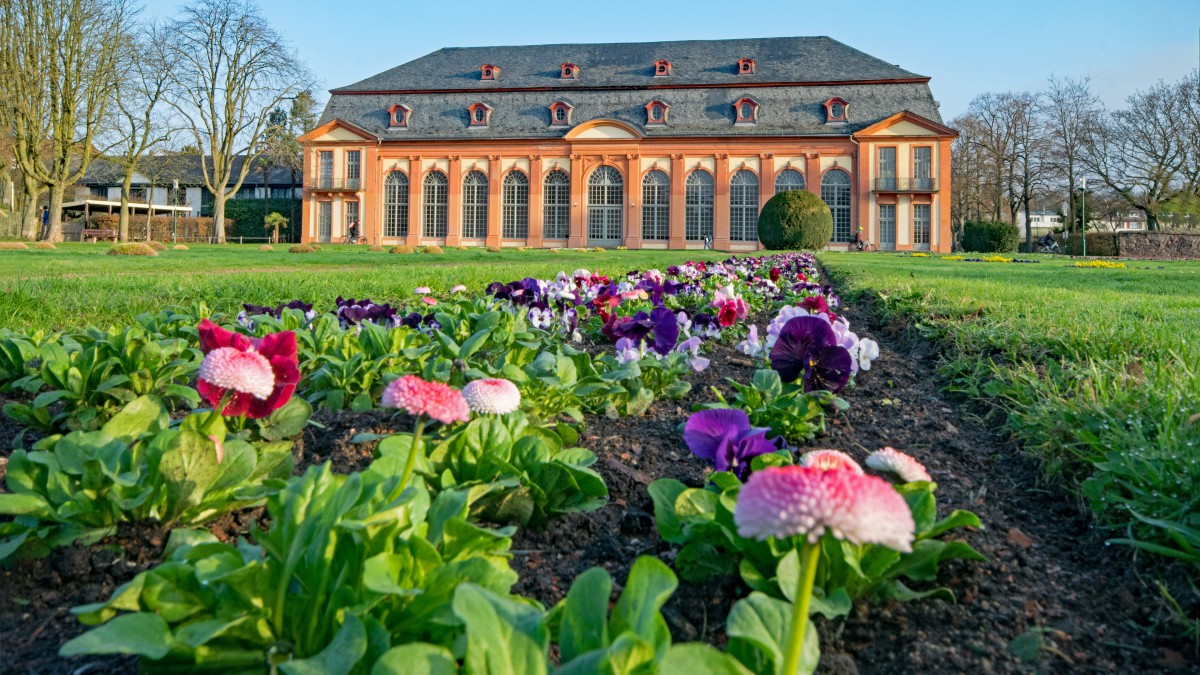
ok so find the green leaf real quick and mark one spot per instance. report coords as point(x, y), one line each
point(287, 421)
point(417, 658)
point(339, 657)
point(699, 560)
point(695, 658)
point(639, 402)
point(921, 502)
point(957, 518)
point(1027, 646)
point(141, 415)
point(758, 627)
point(628, 655)
point(585, 614)
point(143, 634)
point(503, 637)
point(649, 586)
point(25, 505)
point(665, 492)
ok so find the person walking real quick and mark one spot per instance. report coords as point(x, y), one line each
point(354, 232)
point(45, 222)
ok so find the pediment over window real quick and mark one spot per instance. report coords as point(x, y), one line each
point(603, 130)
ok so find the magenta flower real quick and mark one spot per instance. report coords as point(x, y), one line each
point(730, 307)
point(492, 396)
point(807, 501)
point(890, 460)
point(257, 376)
point(419, 397)
point(807, 349)
point(829, 460)
point(724, 436)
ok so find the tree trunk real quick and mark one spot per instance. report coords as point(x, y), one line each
point(123, 234)
point(219, 215)
point(1028, 225)
point(54, 233)
point(30, 225)
point(1151, 222)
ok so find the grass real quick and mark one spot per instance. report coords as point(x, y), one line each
point(78, 285)
point(1095, 371)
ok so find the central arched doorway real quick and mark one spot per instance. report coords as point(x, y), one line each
point(605, 221)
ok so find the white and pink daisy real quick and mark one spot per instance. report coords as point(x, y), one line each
point(892, 461)
point(245, 372)
point(829, 460)
point(492, 396)
point(420, 397)
point(422, 290)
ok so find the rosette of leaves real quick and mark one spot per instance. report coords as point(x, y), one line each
point(19, 361)
point(349, 567)
point(700, 522)
point(786, 409)
point(137, 467)
point(346, 368)
point(515, 472)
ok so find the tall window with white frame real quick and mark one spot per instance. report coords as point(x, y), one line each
point(325, 169)
point(789, 179)
point(325, 222)
point(887, 169)
point(435, 200)
point(351, 209)
point(921, 226)
point(353, 169)
point(698, 196)
point(743, 206)
point(556, 205)
point(475, 205)
point(887, 225)
point(656, 206)
point(516, 206)
point(395, 205)
point(923, 167)
point(835, 191)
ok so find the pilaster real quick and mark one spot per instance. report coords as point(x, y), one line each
point(454, 203)
point(677, 232)
point(536, 210)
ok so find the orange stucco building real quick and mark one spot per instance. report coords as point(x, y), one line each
point(647, 145)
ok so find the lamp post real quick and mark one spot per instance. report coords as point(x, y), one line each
point(175, 213)
point(1083, 215)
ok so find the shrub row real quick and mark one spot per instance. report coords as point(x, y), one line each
point(989, 236)
point(1099, 244)
point(161, 227)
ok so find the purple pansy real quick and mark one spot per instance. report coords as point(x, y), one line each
point(724, 435)
point(807, 350)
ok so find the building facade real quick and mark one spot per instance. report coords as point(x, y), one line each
point(648, 145)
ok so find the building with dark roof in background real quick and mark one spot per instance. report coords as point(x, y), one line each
point(645, 145)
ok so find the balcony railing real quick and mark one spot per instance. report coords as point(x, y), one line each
point(324, 184)
point(906, 185)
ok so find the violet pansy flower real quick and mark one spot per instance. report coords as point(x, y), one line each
point(807, 350)
point(724, 435)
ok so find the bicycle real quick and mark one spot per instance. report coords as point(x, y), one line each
point(354, 240)
point(1052, 247)
point(864, 246)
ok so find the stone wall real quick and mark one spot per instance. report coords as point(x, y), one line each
point(1159, 245)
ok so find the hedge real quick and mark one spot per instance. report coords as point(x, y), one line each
point(161, 227)
point(247, 218)
point(988, 236)
point(795, 219)
point(1099, 244)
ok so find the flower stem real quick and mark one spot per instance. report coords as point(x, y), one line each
point(808, 573)
point(412, 453)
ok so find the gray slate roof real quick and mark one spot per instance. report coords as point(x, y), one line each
point(165, 168)
point(616, 81)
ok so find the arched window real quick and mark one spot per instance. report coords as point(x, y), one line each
point(789, 179)
point(698, 218)
point(516, 206)
point(556, 205)
point(743, 206)
point(656, 206)
point(435, 198)
point(835, 190)
point(605, 207)
point(395, 205)
point(475, 205)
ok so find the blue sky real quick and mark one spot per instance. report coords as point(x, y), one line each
point(967, 47)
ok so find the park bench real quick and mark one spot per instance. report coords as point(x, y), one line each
point(96, 234)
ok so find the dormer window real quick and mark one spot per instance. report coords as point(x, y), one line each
point(560, 114)
point(836, 110)
point(656, 112)
point(489, 72)
point(662, 68)
point(570, 71)
point(745, 66)
point(480, 114)
point(398, 115)
point(745, 111)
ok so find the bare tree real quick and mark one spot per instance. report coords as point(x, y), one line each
point(1069, 114)
point(968, 173)
point(284, 145)
point(140, 125)
point(1027, 178)
point(1141, 153)
point(232, 69)
point(59, 63)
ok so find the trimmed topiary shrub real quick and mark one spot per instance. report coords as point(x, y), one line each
point(494, 249)
point(179, 247)
point(376, 248)
point(795, 219)
point(302, 248)
point(156, 245)
point(133, 248)
point(432, 249)
point(582, 250)
point(13, 246)
point(989, 236)
point(1099, 244)
point(403, 248)
point(266, 247)
point(45, 246)
point(461, 248)
point(599, 249)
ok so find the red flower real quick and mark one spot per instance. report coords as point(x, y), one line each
point(816, 304)
point(247, 375)
point(774, 274)
point(727, 315)
point(420, 397)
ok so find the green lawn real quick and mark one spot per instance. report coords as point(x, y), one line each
point(1095, 371)
point(78, 285)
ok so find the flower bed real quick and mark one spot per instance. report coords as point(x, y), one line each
point(496, 390)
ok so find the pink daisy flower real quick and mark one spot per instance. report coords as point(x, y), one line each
point(829, 459)
point(788, 501)
point(458, 289)
point(429, 301)
point(244, 372)
point(422, 290)
point(261, 373)
point(419, 397)
point(492, 396)
point(891, 460)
